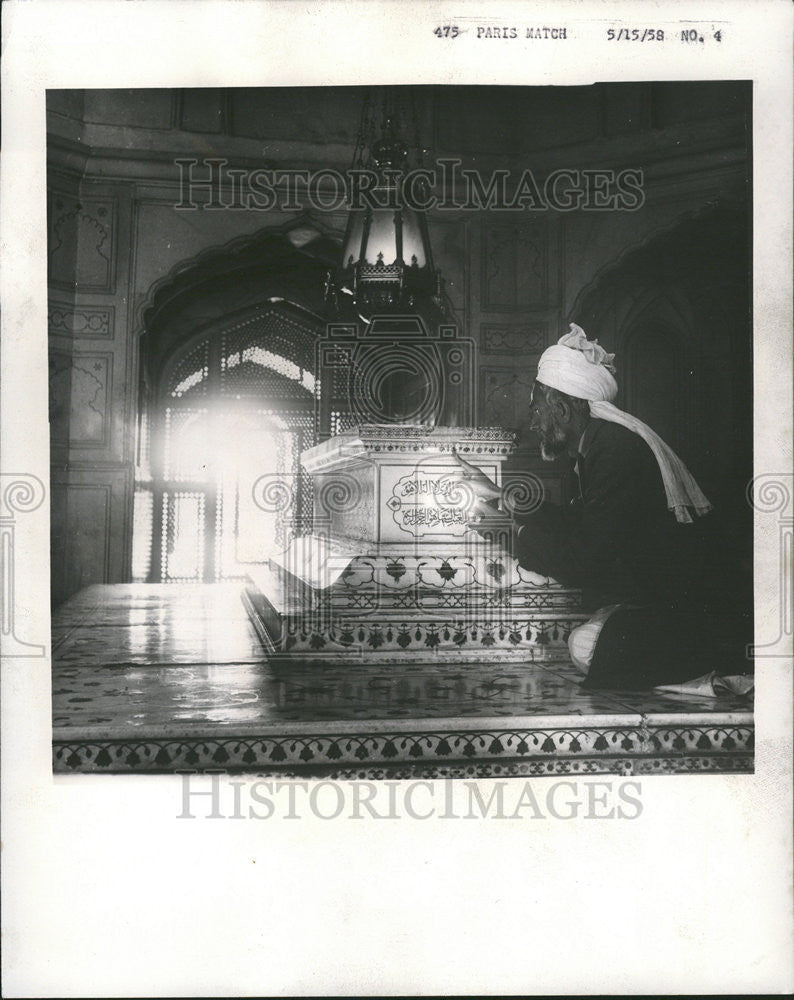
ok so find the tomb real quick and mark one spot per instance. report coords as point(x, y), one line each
point(393, 570)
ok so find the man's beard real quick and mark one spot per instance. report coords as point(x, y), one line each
point(553, 443)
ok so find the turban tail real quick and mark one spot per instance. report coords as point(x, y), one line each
point(582, 368)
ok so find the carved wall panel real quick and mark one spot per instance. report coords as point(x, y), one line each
point(150, 108)
point(60, 390)
point(89, 519)
point(522, 120)
point(81, 242)
point(204, 110)
point(79, 399)
point(303, 113)
point(504, 394)
point(514, 267)
point(89, 410)
point(88, 534)
point(449, 239)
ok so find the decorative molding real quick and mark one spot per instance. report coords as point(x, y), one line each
point(99, 157)
point(613, 748)
point(485, 569)
point(521, 339)
point(383, 439)
point(445, 608)
point(101, 465)
point(498, 602)
point(87, 322)
point(481, 630)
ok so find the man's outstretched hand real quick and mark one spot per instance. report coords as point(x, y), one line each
point(486, 520)
point(480, 485)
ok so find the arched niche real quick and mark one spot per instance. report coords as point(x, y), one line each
point(676, 311)
point(228, 394)
point(288, 264)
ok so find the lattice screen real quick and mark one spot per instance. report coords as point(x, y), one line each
point(191, 372)
point(183, 530)
point(236, 405)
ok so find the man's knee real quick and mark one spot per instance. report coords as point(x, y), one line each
point(581, 645)
point(582, 640)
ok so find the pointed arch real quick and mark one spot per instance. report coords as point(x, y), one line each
point(676, 310)
point(228, 375)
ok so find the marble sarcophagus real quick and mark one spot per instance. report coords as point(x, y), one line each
point(392, 569)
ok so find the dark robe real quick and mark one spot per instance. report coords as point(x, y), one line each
point(687, 602)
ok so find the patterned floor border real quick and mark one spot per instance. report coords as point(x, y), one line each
point(668, 748)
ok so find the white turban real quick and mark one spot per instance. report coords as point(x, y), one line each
point(578, 367)
point(582, 368)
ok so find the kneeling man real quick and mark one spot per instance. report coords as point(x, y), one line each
point(670, 603)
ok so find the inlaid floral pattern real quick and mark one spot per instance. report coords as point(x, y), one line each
point(601, 749)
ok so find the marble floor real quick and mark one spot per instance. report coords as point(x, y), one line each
point(170, 678)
